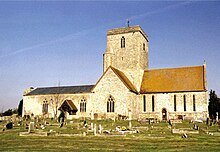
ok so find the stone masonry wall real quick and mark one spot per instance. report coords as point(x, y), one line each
point(166, 100)
point(132, 59)
point(110, 84)
point(34, 104)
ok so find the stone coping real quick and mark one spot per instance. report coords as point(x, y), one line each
point(33, 134)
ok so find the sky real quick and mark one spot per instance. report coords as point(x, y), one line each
point(51, 43)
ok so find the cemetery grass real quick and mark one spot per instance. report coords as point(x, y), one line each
point(151, 137)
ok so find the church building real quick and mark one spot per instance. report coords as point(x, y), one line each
point(127, 87)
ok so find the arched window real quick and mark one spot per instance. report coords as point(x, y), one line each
point(83, 105)
point(144, 103)
point(194, 103)
point(174, 100)
point(110, 104)
point(153, 104)
point(184, 102)
point(45, 107)
point(122, 42)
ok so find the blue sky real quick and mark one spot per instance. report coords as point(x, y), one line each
point(46, 43)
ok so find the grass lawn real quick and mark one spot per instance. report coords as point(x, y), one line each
point(151, 137)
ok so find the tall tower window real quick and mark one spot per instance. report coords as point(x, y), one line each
point(110, 104)
point(153, 104)
point(144, 103)
point(144, 46)
point(184, 102)
point(83, 105)
point(174, 100)
point(122, 42)
point(194, 103)
point(45, 107)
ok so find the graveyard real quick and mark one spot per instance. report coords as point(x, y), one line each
point(108, 135)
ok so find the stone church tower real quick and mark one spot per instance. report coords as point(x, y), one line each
point(127, 50)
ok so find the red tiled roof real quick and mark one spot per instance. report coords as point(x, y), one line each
point(174, 80)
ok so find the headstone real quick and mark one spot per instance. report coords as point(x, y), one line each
point(31, 127)
point(91, 126)
point(117, 128)
point(94, 129)
point(100, 129)
point(9, 125)
point(84, 133)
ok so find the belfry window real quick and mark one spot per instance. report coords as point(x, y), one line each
point(153, 104)
point(174, 100)
point(83, 105)
point(45, 107)
point(184, 102)
point(144, 103)
point(194, 103)
point(110, 104)
point(122, 42)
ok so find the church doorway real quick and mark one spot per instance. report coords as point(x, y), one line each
point(164, 114)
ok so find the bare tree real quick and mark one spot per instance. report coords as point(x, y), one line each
point(55, 101)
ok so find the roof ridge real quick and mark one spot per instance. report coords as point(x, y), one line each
point(183, 67)
point(63, 86)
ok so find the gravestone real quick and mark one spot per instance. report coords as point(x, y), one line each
point(84, 133)
point(31, 127)
point(100, 129)
point(94, 129)
point(91, 126)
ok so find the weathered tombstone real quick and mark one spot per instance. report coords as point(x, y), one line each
point(9, 125)
point(84, 133)
point(31, 127)
point(100, 129)
point(94, 129)
point(91, 126)
point(195, 126)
